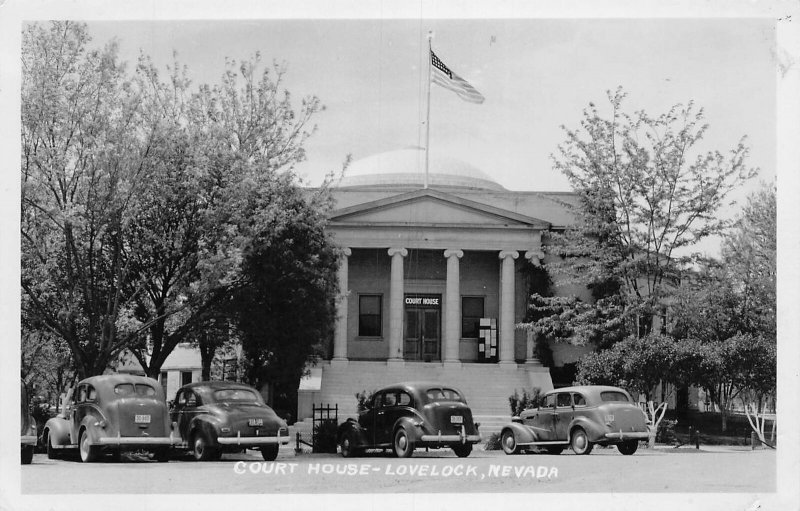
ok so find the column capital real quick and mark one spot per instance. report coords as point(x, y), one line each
point(392, 251)
point(453, 252)
point(508, 253)
point(347, 252)
point(535, 256)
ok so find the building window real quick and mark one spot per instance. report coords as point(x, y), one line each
point(163, 379)
point(369, 315)
point(186, 377)
point(471, 314)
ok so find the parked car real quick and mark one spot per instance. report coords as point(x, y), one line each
point(220, 416)
point(27, 428)
point(410, 415)
point(578, 417)
point(109, 414)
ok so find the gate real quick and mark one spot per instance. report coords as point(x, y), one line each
point(325, 426)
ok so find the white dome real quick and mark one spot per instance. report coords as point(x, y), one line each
point(406, 167)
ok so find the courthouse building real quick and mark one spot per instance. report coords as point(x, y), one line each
point(432, 282)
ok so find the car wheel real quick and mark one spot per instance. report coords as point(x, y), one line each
point(269, 452)
point(554, 449)
point(27, 454)
point(52, 453)
point(628, 448)
point(403, 445)
point(462, 450)
point(348, 445)
point(161, 454)
point(580, 442)
point(201, 447)
point(509, 442)
point(89, 453)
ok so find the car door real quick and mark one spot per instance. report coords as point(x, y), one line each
point(185, 409)
point(563, 416)
point(383, 417)
point(543, 421)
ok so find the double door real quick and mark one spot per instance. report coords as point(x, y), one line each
point(422, 334)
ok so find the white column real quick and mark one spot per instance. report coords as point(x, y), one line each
point(396, 305)
point(340, 334)
point(535, 257)
point(452, 310)
point(507, 306)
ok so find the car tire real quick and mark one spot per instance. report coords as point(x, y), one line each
point(52, 453)
point(27, 454)
point(462, 450)
point(554, 449)
point(269, 452)
point(347, 446)
point(579, 442)
point(89, 453)
point(202, 450)
point(509, 442)
point(403, 445)
point(628, 448)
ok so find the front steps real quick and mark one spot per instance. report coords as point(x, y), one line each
point(485, 386)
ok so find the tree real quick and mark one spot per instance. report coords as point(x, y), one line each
point(286, 309)
point(83, 160)
point(646, 194)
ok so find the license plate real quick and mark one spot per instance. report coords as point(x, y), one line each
point(255, 422)
point(456, 419)
point(142, 419)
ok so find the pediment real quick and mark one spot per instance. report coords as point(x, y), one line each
point(429, 207)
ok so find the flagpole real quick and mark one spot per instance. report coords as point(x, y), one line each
point(428, 108)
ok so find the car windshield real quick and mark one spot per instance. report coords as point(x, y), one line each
point(139, 389)
point(614, 396)
point(444, 394)
point(236, 395)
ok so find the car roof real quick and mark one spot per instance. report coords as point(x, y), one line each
point(588, 389)
point(113, 379)
point(414, 386)
point(217, 385)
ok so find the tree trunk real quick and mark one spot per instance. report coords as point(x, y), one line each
point(207, 351)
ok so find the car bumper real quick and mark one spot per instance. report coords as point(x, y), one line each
point(28, 440)
point(619, 435)
point(245, 441)
point(450, 439)
point(136, 440)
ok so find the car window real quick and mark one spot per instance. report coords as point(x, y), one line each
point(235, 395)
point(144, 390)
point(91, 393)
point(578, 399)
point(445, 394)
point(610, 395)
point(191, 398)
point(549, 401)
point(452, 395)
point(82, 393)
point(124, 389)
point(389, 399)
point(564, 399)
point(404, 399)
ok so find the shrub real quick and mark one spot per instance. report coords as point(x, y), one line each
point(325, 436)
point(527, 400)
point(665, 434)
point(363, 397)
point(492, 443)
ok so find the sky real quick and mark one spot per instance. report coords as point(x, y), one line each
point(537, 75)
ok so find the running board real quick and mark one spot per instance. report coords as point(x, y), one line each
point(544, 443)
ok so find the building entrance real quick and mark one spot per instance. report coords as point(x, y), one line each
point(422, 337)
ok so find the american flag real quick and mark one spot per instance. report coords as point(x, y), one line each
point(442, 75)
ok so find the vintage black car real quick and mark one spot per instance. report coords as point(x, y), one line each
point(27, 429)
point(220, 416)
point(405, 416)
point(108, 414)
point(578, 417)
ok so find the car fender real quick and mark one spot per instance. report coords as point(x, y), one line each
point(522, 434)
point(94, 432)
point(411, 426)
point(351, 425)
point(57, 430)
point(592, 431)
point(207, 424)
